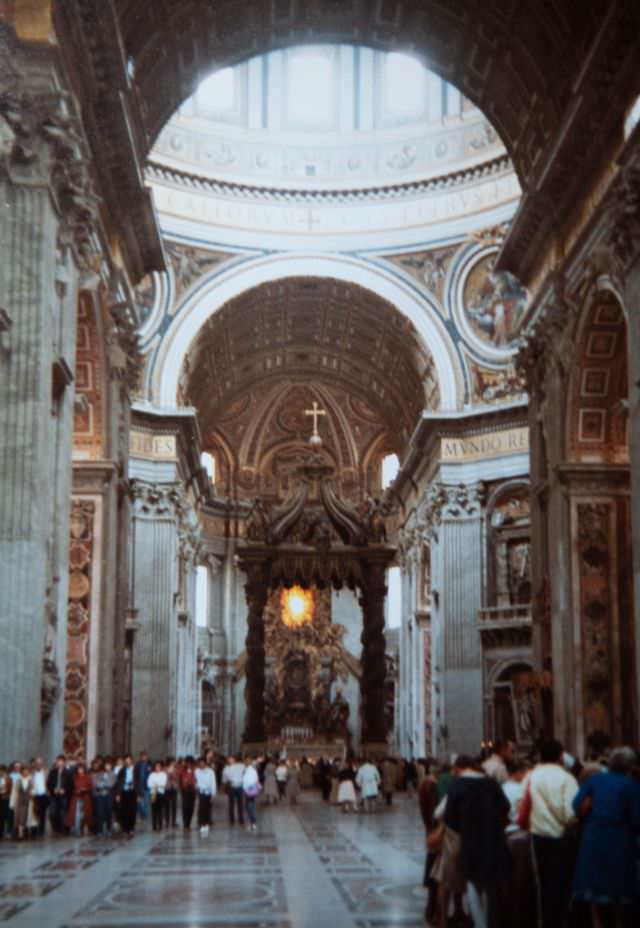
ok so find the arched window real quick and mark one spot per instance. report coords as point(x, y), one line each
point(405, 83)
point(310, 87)
point(209, 463)
point(394, 598)
point(202, 597)
point(217, 92)
point(390, 468)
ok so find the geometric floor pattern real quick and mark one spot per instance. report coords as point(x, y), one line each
point(308, 866)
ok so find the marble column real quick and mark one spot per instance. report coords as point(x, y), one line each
point(154, 594)
point(461, 542)
point(42, 178)
point(257, 591)
point(373, 659)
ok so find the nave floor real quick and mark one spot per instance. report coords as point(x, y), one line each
point(310, 866)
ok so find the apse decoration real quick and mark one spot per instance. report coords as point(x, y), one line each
point(489, 304)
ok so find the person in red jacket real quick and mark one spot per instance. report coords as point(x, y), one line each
point(80, 808)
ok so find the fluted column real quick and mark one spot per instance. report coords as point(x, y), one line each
point(153, 593)
point(461, 544)
point(373, 659)
point(256, 590)
point(42, 179)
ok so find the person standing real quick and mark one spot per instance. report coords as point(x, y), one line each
point(127, 796)
point(388, 779)
point(368, 780)
point(293, 783)
point(60, 787)
point(21, 801)
point(232, 779)
point(143, 769)
point(609, 805)
point(546, 811)
point(171, 793)
point(427, 801)
point(270, 784)
point(5, 790)
point(478, 810)
point(281, 777)
point(40, 795)
point(324, 778)
point(188, 791)
point(157, 784)
point(251, 788)
point(347, 790)
point(80, 811)
point(206, 789)
point(496, 765)
point(104, 784)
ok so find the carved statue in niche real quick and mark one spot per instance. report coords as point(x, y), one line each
point(258, 521)
point(518, 571)
point(339, 715)
point(373, 516)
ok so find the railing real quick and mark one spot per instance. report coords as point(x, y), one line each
point(503, 615)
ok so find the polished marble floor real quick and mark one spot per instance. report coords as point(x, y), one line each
point(308, 866)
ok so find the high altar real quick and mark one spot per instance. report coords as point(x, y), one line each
point(295, 659)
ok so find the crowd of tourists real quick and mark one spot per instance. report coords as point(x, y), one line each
point(110, 796)
point(543, 843)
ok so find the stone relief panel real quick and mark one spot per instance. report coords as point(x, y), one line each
point(597, 618)
point(76, 679)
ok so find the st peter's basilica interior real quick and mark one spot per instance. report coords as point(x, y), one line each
point(320, 395)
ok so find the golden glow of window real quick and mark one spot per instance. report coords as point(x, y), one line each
point(297, 607)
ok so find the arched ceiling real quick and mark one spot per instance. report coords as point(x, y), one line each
point(270, 352)
point(516, 61)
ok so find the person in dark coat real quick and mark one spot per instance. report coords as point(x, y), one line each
point(478, 810)
point(59, 787)
point(608, 804)
point(127, 787)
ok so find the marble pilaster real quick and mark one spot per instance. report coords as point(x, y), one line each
point(461, 539)
point(43, 186)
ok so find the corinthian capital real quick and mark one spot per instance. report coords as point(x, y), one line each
point(46, 148)
point(463, 500)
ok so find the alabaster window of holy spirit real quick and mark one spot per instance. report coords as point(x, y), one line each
point(297, 607)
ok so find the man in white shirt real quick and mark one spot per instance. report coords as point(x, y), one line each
point(40, 795)
point(495, 766)
point(232, 779)
point(282, 772)
point(552, 790)
point(368, 779)
point(206, 788)
point(514, 791)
